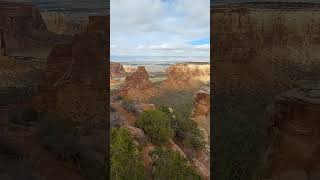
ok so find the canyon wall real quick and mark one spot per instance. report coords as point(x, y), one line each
point(59, 23)
point(76, 76)
point(19, 19)
point(254, 44)
point(188, 76)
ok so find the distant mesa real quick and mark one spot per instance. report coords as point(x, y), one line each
point(187, 75)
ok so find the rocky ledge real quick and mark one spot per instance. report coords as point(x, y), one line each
point(294, 132)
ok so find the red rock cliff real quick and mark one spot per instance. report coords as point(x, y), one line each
point(137, 85)
point(186, 76)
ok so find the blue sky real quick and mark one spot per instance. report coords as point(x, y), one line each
point(160, 28)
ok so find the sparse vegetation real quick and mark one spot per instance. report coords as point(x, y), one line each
point(185, 129)
point(128, 105)
point(171, 165)
point(181, 101)
point(125, 156)
point(157, 126)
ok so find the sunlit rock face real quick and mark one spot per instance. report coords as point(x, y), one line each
point(137, 85)
point(189, 75)
point(294, 134)
point(201, 111)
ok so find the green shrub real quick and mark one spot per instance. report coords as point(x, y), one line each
point(126, 158)
point(185, 129)
point(171, 165)
point(157, 126)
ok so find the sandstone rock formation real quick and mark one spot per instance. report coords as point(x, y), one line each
point(201, 111)
point(20, 19)
point(76, 77)
point(137, 86)
point(294, 134)
point(116, 70)
point(129, 69)
point(252, 45)
point(59, 23)
point(188, 76)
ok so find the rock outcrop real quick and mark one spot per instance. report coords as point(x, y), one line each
point(201, 111)
point(294, 134)
point(188, 75)
point(116, 70)
point(137, 86)
point(59, 23)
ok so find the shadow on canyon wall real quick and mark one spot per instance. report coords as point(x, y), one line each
point(265, 65)
point(53, 97)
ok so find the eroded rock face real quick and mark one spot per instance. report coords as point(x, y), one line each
point(20, 19)
point(116, 70)
point(137, 85)
point(253, 44)
point(181, 76)
point(294, 133)
point(201, 111)
point(59, 23)
point(76, 80)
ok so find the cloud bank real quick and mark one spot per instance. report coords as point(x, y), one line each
point(160, 28)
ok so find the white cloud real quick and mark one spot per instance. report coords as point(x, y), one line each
point(159, 27)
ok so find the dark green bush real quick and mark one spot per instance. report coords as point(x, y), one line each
point(157, 126)
point(126, 158)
